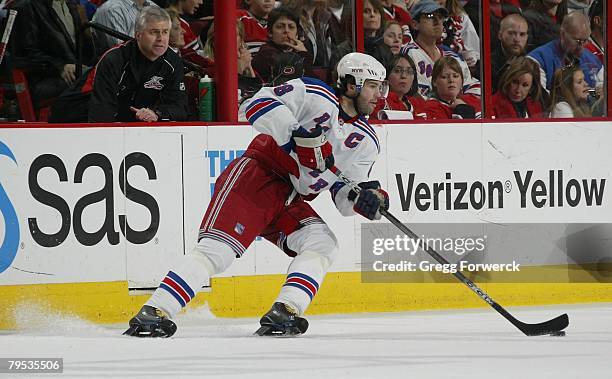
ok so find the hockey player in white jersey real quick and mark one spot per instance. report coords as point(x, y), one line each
point(306, 128)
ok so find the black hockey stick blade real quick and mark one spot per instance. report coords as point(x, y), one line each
point(555, 325)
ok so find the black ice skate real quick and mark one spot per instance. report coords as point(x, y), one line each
point(150, 322)
point(281, 320)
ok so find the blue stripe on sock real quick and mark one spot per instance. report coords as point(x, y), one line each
point(173, 293)
point(305, 277)
point(182, 283)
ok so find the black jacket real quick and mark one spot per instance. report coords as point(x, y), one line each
point(276, 64)
point(40, 40)
point(124, 78)
point(542, 28)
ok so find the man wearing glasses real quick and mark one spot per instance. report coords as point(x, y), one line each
point(427, 28)
point(568, 49)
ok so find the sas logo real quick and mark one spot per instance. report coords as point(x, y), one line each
point(10, 243)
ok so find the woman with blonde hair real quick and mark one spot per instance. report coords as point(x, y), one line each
point(520, 92)
point(448, 101)
point(570, 93)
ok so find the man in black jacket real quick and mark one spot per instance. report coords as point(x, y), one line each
point(45, 44)
point(512, 36)
point(140, 80)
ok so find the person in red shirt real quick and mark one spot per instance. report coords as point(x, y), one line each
point(448, 102)
point(254, 18)
point(186, 7)
point(519, 91)
point(403, 89)
point(394, 12)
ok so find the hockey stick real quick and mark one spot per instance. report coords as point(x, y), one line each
point(7, 33)
point(552, 327)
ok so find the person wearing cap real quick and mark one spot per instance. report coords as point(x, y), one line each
point(427, 29)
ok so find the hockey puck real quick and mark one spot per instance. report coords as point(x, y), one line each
point(560, 333)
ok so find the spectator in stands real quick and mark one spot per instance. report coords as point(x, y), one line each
point(244, 55)
point(544, 18)
point(373, 27)
point(195, 61)
point(448, 102)
point(575, 32)
point(314, 22)
point(341, 22)
point(596, 41)
point(183, 8)
point(141, 80)
point(119, 15)
point(90, 8)
point(392, 36)
point(512, 39)
point(581, 6)
point(498, 10)
point(394, 12)
point(284, 56)
point(403, 90)
point(45, 34)
point(176, 40)
point(249, 80)
point(192, 77)
point(570, 93)
point(427, 25)
point(373, 22)
point(254, 19)
point(519, 91)
point(460, 34)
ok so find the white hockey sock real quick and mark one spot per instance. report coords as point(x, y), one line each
point(181, 284)
point(305, 275)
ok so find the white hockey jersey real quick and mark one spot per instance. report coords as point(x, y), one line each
point(307, 103)
point(424, 65)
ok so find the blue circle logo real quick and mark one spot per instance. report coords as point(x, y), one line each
point(8, 250)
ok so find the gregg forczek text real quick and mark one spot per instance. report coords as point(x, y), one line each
point(450, 268)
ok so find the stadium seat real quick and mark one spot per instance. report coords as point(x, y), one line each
point(24, 99)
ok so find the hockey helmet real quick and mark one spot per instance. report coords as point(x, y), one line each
point(362, 67)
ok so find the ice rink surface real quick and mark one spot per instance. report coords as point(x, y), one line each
point(459, 344)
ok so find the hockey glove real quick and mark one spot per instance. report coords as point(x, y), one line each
point(370, 200)
point(313, 149)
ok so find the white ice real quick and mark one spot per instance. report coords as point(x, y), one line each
point(450, 344)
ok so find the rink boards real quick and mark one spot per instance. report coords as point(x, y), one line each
point(89, 212)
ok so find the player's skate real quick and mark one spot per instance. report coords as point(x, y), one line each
point(281, 320)
point(150, 322)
